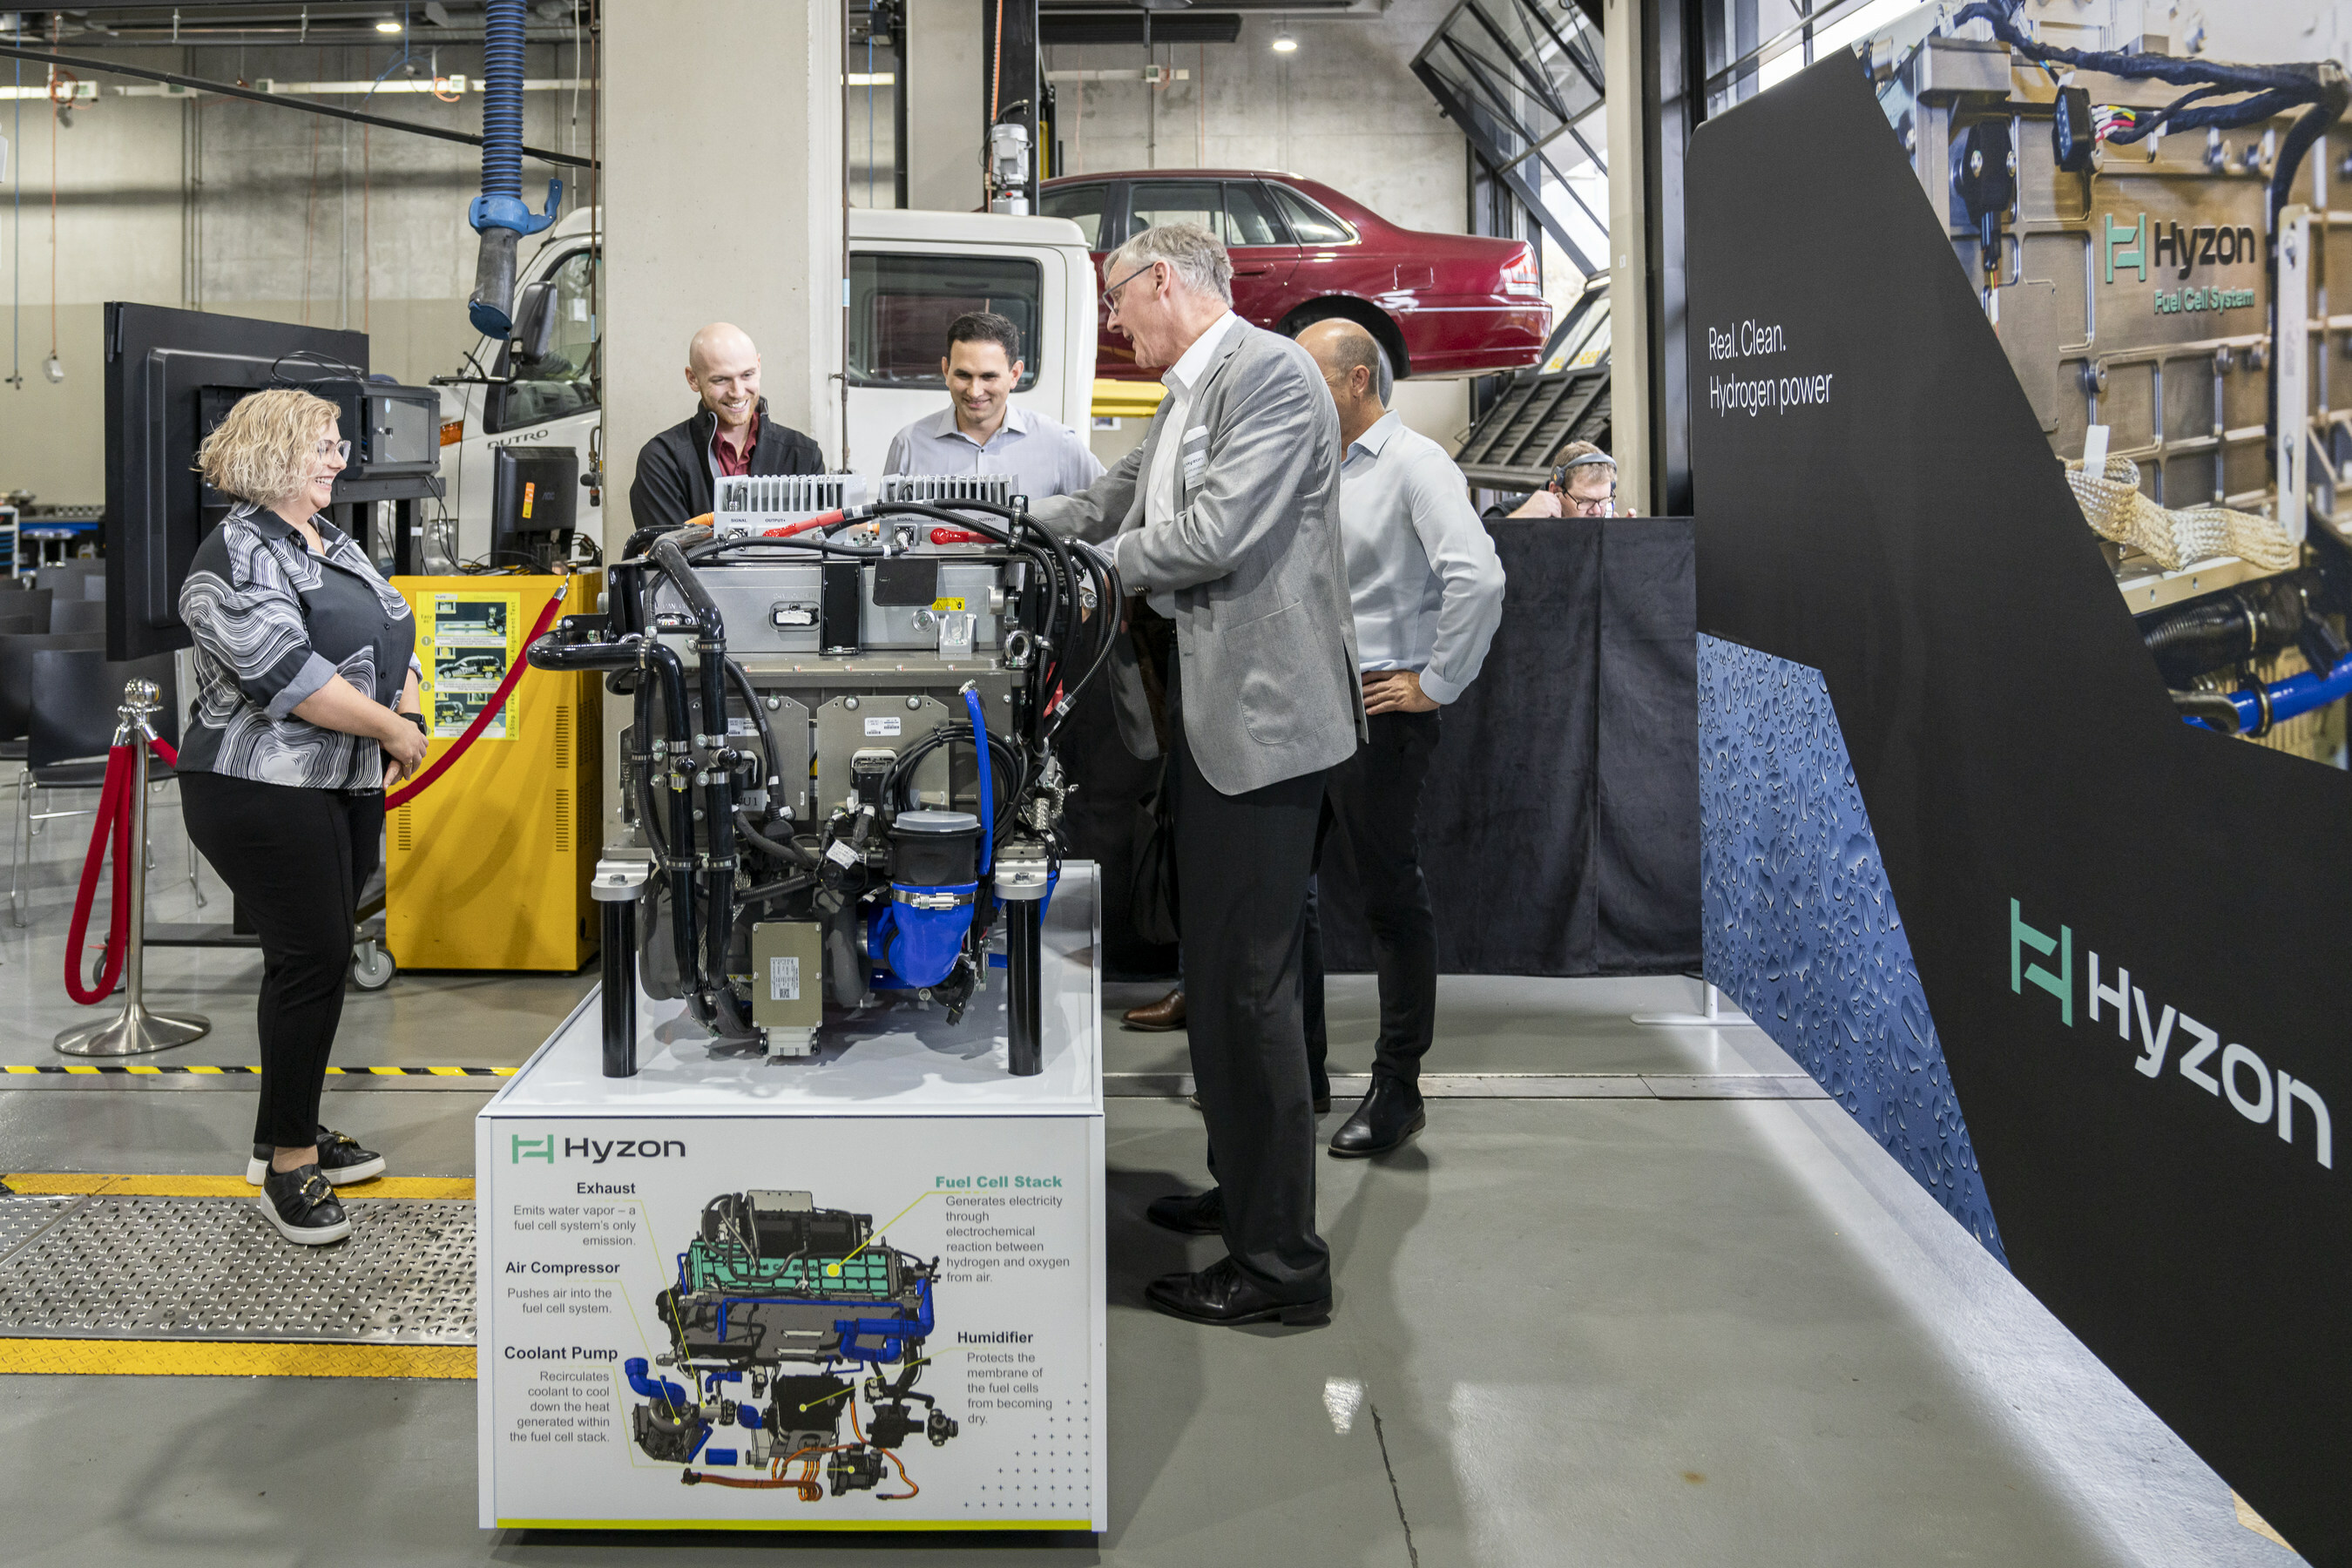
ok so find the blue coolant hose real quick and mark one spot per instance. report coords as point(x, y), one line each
point(498, 214)
point(2259, 708)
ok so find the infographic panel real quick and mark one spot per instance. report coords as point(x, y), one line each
point(467, 641)
point(792, 1323)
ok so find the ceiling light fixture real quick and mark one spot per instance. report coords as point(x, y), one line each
point(1283, 44)
point(387, 25)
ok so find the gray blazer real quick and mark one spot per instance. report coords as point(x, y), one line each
point(1263, 628)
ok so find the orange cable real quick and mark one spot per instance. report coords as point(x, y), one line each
point(996, 64)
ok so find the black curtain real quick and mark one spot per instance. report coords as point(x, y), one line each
point(1560, 825)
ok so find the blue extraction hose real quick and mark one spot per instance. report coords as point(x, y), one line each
point(987, 784)
point(498, 214)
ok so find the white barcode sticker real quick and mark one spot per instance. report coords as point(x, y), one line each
point(739, 725)
point(840, 853)
point(882, 726)
point(783, 980)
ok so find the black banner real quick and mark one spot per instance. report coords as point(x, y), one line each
point(1879, 502)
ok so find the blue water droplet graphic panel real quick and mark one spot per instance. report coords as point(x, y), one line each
point(1802, 930)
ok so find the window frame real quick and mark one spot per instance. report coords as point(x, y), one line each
point(1270, 205)
point(494, 406)
point(1032, 368)
point(1102, 227)
point(1355, 235)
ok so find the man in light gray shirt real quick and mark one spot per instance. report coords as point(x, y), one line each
point(981, 431)
point(1427, 590)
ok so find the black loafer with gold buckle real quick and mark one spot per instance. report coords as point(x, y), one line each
point(341, 1160)
point(303, 1207)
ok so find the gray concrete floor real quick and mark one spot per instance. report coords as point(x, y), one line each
point(1592, 1332)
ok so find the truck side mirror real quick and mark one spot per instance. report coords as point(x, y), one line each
point(534, 321)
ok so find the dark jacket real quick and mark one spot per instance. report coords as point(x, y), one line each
point(673, 479)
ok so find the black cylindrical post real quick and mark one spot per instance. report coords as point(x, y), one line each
point(620, 989)
point(1024, 1046)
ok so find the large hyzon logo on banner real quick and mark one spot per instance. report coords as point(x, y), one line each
point(2263, 1094)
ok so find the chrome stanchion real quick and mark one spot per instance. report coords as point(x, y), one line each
point(138, 1028)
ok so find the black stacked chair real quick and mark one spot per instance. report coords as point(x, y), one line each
point(79, 577)
point(27, 610)
point(77, 616)
point(72, 694)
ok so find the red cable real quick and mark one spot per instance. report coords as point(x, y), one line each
point(490, 711)
point(822, 519)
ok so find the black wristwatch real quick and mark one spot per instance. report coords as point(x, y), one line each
point(418, 720)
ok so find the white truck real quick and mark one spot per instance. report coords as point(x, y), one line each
point(911, 273)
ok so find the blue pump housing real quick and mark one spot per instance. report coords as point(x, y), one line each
point(918, 946)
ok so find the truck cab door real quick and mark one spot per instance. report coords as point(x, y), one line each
point(556, 401)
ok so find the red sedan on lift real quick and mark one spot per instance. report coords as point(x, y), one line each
point(1440, 304)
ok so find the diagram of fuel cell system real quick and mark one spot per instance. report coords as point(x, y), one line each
point(779, 1308)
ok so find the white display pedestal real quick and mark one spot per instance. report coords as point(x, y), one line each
point(592, 1193)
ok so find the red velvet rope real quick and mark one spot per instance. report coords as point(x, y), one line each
point(113, 829)
point(490, 711)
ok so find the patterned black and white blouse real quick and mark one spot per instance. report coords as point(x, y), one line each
point(273, 623)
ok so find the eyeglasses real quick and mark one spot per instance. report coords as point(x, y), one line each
point(335, 449)
point(1593, 506)
point(1110, 295)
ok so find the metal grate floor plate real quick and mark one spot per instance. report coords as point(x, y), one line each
point(213, 1269)
point(23, 1218)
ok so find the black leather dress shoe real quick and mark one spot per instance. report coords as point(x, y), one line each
point(1390, 1114)
point(1195, 1213)
point(1221, 1293)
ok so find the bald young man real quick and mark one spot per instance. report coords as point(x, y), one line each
point(677, 470)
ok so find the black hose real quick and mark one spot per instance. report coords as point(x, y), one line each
point(1013, 770)
point(771, 772)
point(1110, 607)
point(2226, 628)
point(782, 849)
point(677, 855)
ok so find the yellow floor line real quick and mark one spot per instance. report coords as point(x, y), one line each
point(188, 1358)
point(38, 1184)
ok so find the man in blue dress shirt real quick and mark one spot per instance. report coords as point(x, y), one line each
point(981, 431)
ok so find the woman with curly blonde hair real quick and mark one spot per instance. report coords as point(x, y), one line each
point(306, 708)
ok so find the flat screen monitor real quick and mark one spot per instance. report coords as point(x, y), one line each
point(535, 493)
point(170, 376)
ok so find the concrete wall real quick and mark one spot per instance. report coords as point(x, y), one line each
point(946, 102)
point(755, 238)
point(242, 209)
point(1344, 108)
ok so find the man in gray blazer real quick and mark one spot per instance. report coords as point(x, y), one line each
point(1226, 518)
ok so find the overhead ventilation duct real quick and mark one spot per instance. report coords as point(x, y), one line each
point(499, 215)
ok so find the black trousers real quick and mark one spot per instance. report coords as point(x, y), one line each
point(1241, 866)
point(1370, 803)
point(295, 859)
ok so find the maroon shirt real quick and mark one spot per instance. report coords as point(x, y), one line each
point(733, 464)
